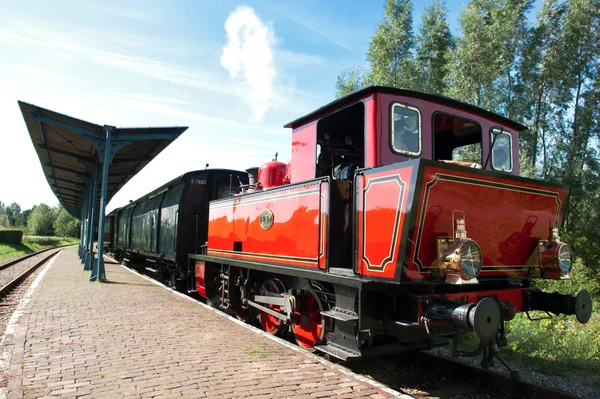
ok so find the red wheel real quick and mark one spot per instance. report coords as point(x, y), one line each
point(269, 323)
point(308, 324)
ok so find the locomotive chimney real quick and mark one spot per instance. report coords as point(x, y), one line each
point(252, 175)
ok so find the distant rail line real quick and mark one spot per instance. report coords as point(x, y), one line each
point(13, 280)
point(10, 262)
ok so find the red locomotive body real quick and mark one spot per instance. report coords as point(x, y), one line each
point(400, 222)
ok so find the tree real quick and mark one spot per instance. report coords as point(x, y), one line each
point(434, 46)
point(350, 80)
point(12, 212)
point(576, 102)
point(21, 220)
point(476, 58)
point(41, 220)
point(486, 60)
point(4, 222)
point(391, 49)
point(65, 224)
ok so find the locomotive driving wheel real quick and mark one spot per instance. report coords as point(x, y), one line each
point(308, 325)
point(270, 323)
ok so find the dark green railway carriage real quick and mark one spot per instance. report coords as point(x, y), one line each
point(160, 230)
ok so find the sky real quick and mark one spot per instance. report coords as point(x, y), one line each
point(235, 73)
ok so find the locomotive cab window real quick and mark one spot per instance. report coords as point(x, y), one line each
point(501, 150)
point(406, 130)
point(340, 143)
point(456, 139)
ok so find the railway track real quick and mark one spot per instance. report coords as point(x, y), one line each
point(424, 375)
point(16, 277)
point(10, 262)
point(34, 260)
point(427, 376)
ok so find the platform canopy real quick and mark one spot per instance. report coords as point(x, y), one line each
point(68, 153)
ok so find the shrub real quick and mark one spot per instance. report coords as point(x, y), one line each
point(11, 236)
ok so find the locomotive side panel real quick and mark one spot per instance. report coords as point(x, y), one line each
point(505, 216)
point(285, 226)
point(382, 199)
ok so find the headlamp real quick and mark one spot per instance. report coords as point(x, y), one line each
point(556, 260)
point(463, 258)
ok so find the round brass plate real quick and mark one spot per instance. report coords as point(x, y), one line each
point(266, 219)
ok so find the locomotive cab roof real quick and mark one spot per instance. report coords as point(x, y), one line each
point(378, 126)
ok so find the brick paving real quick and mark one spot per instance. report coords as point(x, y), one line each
point(133, 339)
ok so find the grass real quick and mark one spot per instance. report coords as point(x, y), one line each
point(31, 244)
point(557, 346)
point(561, 345)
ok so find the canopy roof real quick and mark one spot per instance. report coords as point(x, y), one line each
point(67, 155)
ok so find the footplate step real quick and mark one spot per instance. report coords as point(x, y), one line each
point(340, 314)
point(337, 351)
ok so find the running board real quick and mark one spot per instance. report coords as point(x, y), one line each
point(338, 351)
point(340, 314)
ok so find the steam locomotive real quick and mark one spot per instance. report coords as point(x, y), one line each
point(399, 223)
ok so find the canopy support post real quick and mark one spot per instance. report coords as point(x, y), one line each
point(89, 260)
point(82, 228)
point(86, 232)
point(106, 151)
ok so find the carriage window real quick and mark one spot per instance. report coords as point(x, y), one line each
point(456, 139)
point(406, 130)
point(502, 150)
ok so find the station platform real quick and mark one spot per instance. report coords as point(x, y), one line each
point(133, 338)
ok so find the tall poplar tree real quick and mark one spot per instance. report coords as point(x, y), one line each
point(391, 50)
point(476, 60)
point(538, 79)
point(434, 45)
point(580, 87)
point(351, 79)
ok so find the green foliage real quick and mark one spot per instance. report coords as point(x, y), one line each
point(41, 220)
point(65, 225)
point(350, 80)
point(434, 46)
point(4, 222)
point(11, 236)
point(558, 346)
point(31, 244)
point(390, 51)
point(21, 220)
point(545, 75)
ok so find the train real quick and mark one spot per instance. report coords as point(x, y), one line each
point(156, 232)
point(400, 223)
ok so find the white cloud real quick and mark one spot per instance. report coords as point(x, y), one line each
point(248, 57)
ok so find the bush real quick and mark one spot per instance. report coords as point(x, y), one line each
point(558, 346)
point(11, 236)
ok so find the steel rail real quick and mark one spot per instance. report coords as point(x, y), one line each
point(499, 381)
point(11, 262)
point(8, 287)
